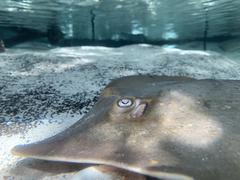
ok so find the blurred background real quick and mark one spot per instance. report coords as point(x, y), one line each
point(120, 22)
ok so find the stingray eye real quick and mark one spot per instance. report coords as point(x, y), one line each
point(125, 102)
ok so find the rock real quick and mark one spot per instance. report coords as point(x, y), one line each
point(2, 46)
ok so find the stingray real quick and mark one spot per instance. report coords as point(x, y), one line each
point(163, 127)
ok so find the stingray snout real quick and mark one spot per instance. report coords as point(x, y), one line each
point(21, 150)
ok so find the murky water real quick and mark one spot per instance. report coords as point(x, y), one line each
point(135, 20)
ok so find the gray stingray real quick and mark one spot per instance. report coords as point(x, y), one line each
point(164, 127)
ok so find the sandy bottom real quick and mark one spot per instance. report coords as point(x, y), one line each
point(43, 92)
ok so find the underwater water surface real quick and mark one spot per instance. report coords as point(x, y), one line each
point(110, 21)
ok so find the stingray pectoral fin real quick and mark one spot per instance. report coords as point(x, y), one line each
point(69, 147)
point(73, 144)
point(33, 150)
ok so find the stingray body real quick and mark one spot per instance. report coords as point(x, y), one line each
point(164, 127)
